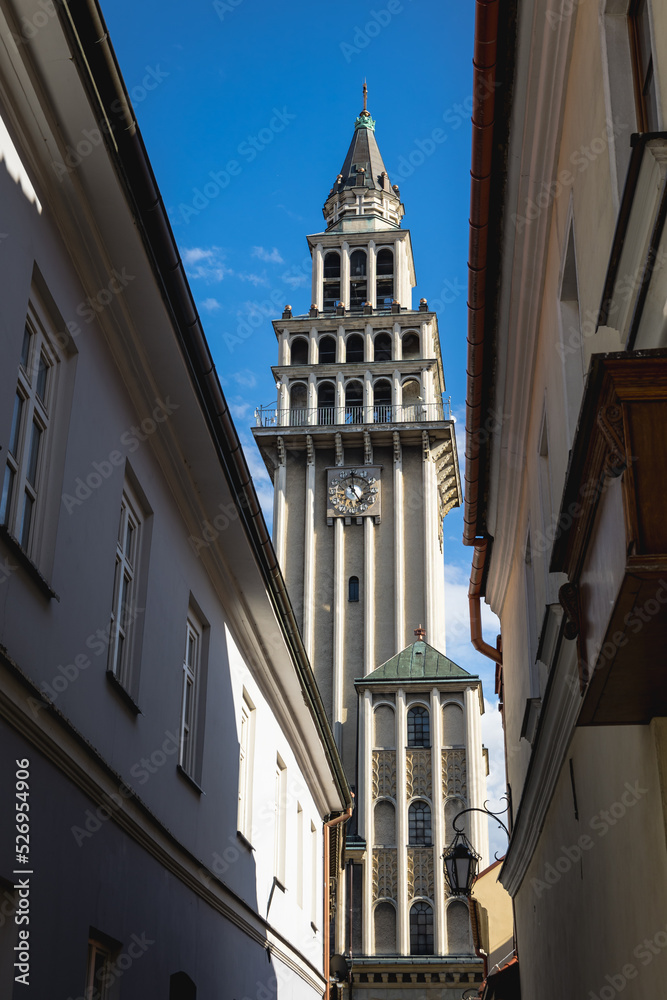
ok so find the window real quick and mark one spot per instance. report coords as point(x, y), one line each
point(327, 351)
point(354, 348)
point(358, 285)
point(326, 400)
point(385, 281)
point(100, 957)
point(419, 824)
point(246, 746)
point(354, 403)
point(382, 347)
point(314, 873)
point(298, 405)
point(410, 344)
point(642, 58)
point(353, 589)
point(123, 608)
point(331, 281)
point(300, 860)
point(299, 352)
point(280, 820)
point(382, 393)
point(419, 728)
point(190, 695)
point(421, 929)
point(24, 474)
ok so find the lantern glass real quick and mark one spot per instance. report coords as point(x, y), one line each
point(461, 863)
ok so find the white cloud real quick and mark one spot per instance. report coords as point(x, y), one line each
point(295, 280)
point(260, 478)
point(210, 305)
point(271, 256)
point(239, 409)
point(457, 614)
point(492, 737)
point(254, 279)
point(245, 377)
point(205, 263)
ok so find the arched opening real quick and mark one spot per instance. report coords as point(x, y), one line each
point(382, 347)
point(331, 296)
point(421, 929)
point(452, 726)
point(382, 408)
point(354, 403)
point(384, 737)
point(354, 348)
point(411, 347)
point(384, 824)
point(458, 929)
point(384, 921)
point(298, 404)
point(384, 285)
point(327, 350)
point(299, 351)
point(419, 824)
point(353, 589)
point(412, 400)
point(419, 727)
point(358, 285)
point(326, 403)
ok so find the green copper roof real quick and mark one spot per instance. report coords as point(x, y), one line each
point(418, 662)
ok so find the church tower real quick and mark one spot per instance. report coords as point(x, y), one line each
point(362, 453)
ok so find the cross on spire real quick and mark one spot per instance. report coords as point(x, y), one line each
point(365, 95)
point(420, 633)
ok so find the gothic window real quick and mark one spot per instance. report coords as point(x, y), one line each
point(358, 285)
point(353, 589)
point(452, 725)
point(382, 402)
point(419, 824)
point(411, 348)
point(326, 401)
point(384, 918)
point(385, 728)
point(354, 348)
point(331, 281)
point(300, 351)
point(421, 929)
point(327, 351)
point(384, 284)
point(419, 728)
point(354, 403)
point(382, 346)
point(642, 58)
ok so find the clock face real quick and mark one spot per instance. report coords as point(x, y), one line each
point(353, 492)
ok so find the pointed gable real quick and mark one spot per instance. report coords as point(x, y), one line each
point(417, 662)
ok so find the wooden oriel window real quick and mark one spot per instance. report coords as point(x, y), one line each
point(642, 64)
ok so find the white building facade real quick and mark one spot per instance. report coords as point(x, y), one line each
point(362, 452)
point(174, 764)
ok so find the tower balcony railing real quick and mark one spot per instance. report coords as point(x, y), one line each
point(379, 413)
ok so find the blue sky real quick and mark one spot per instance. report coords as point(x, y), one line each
point(247, 108)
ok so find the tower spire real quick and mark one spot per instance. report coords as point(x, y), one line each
point(365, 95)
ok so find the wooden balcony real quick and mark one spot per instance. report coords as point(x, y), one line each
point(611, 540)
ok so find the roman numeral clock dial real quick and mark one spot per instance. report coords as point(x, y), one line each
point(353, 492)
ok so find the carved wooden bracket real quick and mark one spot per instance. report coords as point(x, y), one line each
point(610, 422)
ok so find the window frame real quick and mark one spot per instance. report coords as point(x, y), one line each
point(643, 76)
point(20, 483)
point(417, 827)
point(421, 906)
point(246, 763)
point(130, 511)
point(423, 713)
point(187, 752)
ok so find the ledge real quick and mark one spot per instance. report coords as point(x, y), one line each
point(190, 780)
point(125, 696)
point(27, 564)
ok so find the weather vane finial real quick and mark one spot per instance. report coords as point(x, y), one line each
point(365, 94)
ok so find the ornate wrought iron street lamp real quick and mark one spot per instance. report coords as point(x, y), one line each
point(461, 861)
